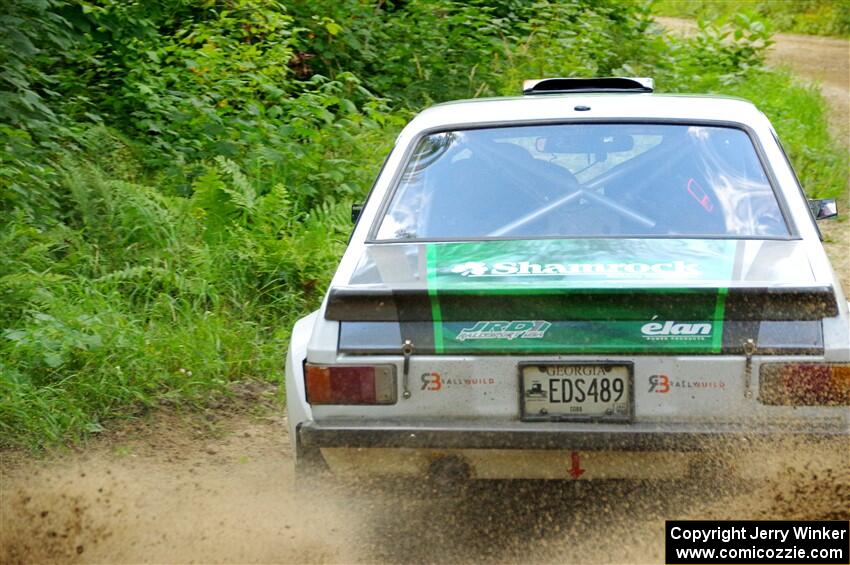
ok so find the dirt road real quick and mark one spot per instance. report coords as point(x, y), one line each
point(218, 487)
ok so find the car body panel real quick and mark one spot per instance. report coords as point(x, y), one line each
point(780, 293)
point(703, 389)
point(589, 296)
point(298, 410)
point(749, 463)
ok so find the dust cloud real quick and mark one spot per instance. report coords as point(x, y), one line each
point(184, 490)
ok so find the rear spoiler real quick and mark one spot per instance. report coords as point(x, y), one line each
point(358, 304)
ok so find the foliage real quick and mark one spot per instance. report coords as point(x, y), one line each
point(727, 54)
point(176, 175)
point(816, 17)
point(128, 304)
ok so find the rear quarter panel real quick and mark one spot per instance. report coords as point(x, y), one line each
point(298, 410)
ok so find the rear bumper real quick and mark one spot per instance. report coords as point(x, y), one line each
point(556, 436)
point(513, 450)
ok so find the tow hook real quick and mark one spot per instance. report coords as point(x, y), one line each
point(407, 351)
point(749, 351)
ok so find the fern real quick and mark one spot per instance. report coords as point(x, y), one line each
point(275, 213)
point(242, 194)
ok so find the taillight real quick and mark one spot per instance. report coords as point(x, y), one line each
point(350, 384)
point(805, 384)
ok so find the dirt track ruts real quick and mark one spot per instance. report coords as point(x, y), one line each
point(218, 487)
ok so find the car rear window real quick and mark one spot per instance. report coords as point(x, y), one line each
point(584, 180)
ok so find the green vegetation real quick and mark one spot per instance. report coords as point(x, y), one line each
point(176, 175)
point(815, 17)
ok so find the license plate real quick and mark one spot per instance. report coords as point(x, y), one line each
point(577, 391)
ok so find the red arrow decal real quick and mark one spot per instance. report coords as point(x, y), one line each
point(575, 471)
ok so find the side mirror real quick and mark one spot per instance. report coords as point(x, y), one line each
point(356, 209)
point(823, 208)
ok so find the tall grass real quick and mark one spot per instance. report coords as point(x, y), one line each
point(140, 298)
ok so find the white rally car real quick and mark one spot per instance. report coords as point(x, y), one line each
point(588, 281)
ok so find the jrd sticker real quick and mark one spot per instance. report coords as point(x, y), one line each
point(524, 329)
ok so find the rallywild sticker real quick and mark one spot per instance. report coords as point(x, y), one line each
point(670, 330)
point(525, 269)
point(663, 384)
point(433, 382)
point(520, 329)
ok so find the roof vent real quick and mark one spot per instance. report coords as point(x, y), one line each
point(599, 84)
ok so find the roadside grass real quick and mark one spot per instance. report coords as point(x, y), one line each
point(144, 360)
point(143, 299)
point(813, 17)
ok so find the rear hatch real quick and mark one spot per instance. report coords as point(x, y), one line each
point(583, 296)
